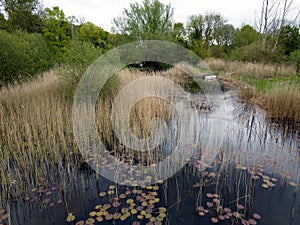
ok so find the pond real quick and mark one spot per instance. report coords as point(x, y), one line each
point(251, 176)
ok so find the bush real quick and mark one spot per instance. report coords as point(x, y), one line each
point(295, 59)
point(256, 53)
point(77, 57)
point(22, 55)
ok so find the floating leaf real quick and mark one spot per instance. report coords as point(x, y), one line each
point(102, 194)
point(133, 211)
point(108, 216)
point(122, 196)
point(111, 192)
point(256, 216)
point(123, 217)
point(90, 221)
point(214, 220)
point(201, 214)
point(97, 207)
point(162, 209)
point(155, 188)
point(140, 217)
point(81, 222)
point(99, 218)
point(209, 195)
point(293, 184)
point(156, 200)
point(70, 217)
point(129, 201)
point(92, 214)
point(221, 217)
point(117, 216)
point(162, 215)
point(252, 222)
point(112, 187)
point(239, 206)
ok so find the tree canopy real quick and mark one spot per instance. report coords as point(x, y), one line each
point(148, 20)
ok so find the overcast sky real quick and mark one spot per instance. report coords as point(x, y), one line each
point(101, 12)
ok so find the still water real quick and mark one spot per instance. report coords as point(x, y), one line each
point(250, 176)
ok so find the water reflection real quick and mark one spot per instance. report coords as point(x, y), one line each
point(253, 152)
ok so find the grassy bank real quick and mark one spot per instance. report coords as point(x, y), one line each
point(275, 88)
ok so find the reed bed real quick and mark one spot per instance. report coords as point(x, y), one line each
point(37, 141)
point(250, 70)
point(283, 102)
point(36, 135)
point(275, 88)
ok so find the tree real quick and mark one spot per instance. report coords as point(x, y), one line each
point(94, 34)
point(208, 30)
point(289, 39)
point(213, 24)
point(272, 18)
point(22, 55)
point(245, 36)
point(56, 30)
point(23, 14)
point(295, 59)
point(149, 20)
point(224, 35)
point(179, 35)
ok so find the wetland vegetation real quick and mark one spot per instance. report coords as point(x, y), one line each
point(253, 175)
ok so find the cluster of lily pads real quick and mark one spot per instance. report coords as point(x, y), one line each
point(219, 213)
point(255, 174)
point(45, 194)
point(41, 194)
point(137, 204)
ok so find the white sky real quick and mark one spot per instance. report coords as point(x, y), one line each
point(101, 12)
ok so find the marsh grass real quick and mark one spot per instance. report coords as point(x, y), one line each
point(283, 102)
point(250, 70)
point(140, 116)
point(36, 135)
point(272, 87)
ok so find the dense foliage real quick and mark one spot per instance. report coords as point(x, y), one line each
point(22, 55)
point(33, 38)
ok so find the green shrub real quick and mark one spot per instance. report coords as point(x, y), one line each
point(294, 58)
point(77, 57)
point(22, 55)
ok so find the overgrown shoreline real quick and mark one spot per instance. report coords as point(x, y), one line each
point(275, 88)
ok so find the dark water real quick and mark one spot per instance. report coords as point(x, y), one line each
point(250, 144)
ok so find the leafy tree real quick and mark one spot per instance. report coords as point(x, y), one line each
point(195, 29)
point(206, 31)
point(295, 59)
point(179, 35)
point(94, 34)
point(289, 39)
point(224, 35)
point(149, 20)
point(56, 30)
point(246, 36)
point(22, 55)
point(76, 58)
point(23, 14)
